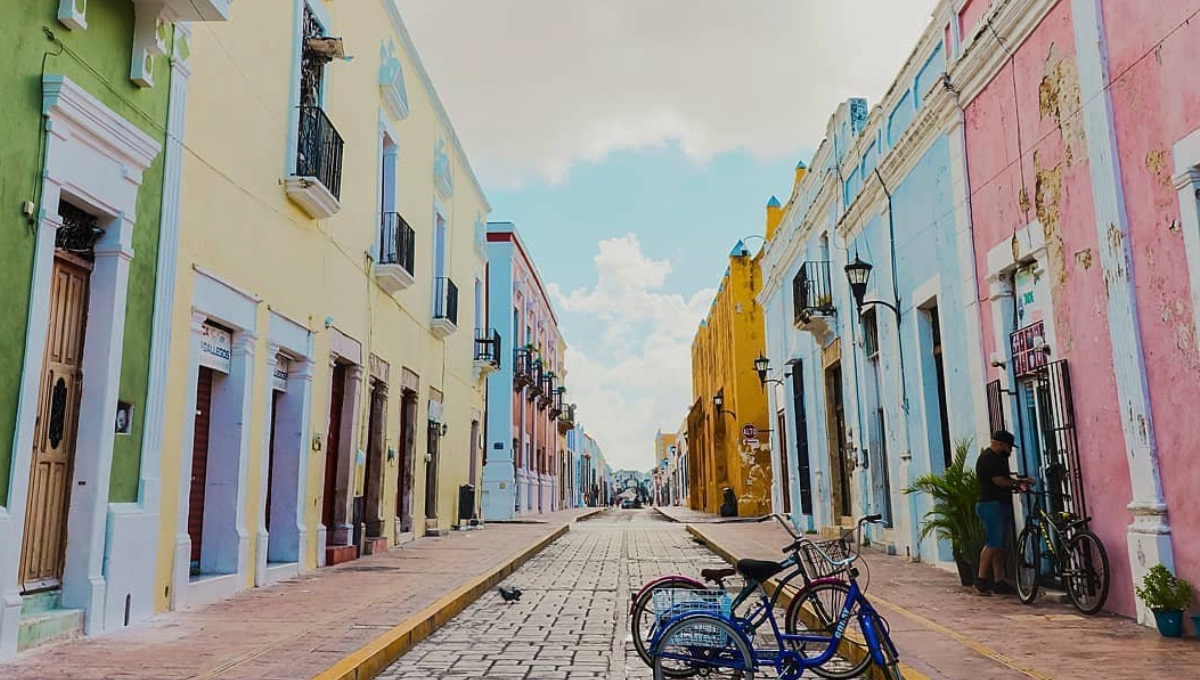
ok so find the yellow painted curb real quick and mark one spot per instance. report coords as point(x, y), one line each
point(371, 659)
point(853, 647)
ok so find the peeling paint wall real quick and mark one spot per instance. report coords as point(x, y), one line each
point(723, 353)
point(1027, 158)
point(1155, 104)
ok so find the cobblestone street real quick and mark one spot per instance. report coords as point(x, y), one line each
point(571, 621)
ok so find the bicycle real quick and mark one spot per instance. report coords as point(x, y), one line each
point(1078, 556)
point(818, 581)
point(703, 633)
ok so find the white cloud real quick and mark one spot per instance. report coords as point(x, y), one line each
point(534, 86)
point(634, 376)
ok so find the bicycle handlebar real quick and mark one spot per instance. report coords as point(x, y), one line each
point(802, 540)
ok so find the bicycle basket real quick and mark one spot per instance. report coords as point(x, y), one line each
point(703, 634)
point(670, 603)
point(816, 564)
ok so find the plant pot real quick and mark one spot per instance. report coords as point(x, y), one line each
point(1169, 621)
point(1196, 624)
point(966, 571)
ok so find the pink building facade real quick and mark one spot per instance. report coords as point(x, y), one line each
point(1080, 151)
point(527, 419)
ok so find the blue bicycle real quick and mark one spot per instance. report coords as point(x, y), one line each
point(703, 635)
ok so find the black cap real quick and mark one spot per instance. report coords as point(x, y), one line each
point(1004, 437)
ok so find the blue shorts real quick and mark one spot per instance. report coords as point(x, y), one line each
point(991, 514)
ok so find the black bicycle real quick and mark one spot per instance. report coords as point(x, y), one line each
point(1076, 556)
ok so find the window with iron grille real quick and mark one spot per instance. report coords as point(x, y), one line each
point(870, 325)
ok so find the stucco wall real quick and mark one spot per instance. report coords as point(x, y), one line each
point(1155, 104)
point(1027, 157)
point(105, 48)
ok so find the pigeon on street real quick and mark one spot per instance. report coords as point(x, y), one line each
point(510, 595)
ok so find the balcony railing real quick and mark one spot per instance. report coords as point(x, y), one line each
point(487, 347)
point(566, 421)
point(522, 368)
point(445, 300)
point(319, 151)
point(812, 292)
point(556, 408)
point(535, 381)
point(397, 242)
point(549, 382)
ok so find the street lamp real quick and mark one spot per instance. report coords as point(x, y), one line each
point(859, 273)
point(761, 366)
point(719, 403)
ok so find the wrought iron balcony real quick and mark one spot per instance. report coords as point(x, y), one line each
point(535, 382)
point(812, 297)
point(487, 348)
point(566, 421)
point(556, 408)
point(397, 249)
point(317, 183)
point(549, 382)
point(445, 306)
point(522, 368)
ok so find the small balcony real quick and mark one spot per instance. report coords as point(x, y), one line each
point(317, 183)
point(556, 408)
point(445, 307)
point(522, 368)
point(487, 352)
point(397, 249)
point(566, 420)
point(812, 298)
point(535, 381)
point(549, 386)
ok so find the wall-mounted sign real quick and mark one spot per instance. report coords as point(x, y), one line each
point(215, 348)
point(124, 417)
point(280, 373)
point(749, 431)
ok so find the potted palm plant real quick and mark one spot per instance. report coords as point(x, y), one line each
point(954, 492)
point(1167, 596)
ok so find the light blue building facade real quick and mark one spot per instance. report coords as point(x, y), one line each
point(871, 398)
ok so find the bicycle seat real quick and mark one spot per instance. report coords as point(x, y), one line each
point(758, 570)
point(716, 574)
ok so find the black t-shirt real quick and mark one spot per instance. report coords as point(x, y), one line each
point(990, 465)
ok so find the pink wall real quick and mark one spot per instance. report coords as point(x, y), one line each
point(1156, 102)
point(538, 426)
point(968, 18)
point(1041, 174)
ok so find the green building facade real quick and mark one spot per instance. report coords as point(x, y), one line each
point(93, 101)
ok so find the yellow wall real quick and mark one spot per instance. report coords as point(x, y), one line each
point(238, 224)
point(723, 353)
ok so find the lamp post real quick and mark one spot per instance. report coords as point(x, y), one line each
point(859, 273)
point(761, 366)
point(719, 404)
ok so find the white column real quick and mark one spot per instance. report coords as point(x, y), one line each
point(83, 575)
point(181, 572)
point(262, 532)
point(12, 518)
point(1149, 536)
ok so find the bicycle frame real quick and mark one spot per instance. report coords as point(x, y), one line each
point(1048, 528)
point(789, 664)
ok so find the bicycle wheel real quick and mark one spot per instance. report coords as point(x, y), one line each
point(816, 608)
point(642, 617)
point(1087, 578)
point(885, 655)
point(1029, 564)
point(704, 644)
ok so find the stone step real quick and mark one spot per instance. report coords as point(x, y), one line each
point(374, 546)
point(49, 626)
point(40, 602)
point(336, 554)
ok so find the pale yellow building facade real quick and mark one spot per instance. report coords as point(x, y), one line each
point(326, 387)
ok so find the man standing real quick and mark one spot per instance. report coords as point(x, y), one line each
point(996, 486)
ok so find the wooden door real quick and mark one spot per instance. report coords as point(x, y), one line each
point(785, 481)
point(204, 387)
point(373, 472)
point(333, 444)
point(44, 546)
point(406, 469)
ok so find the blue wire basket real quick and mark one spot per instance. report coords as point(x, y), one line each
point(671, 603)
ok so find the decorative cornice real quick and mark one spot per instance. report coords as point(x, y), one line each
point(1014, 21)
point(64, 100)
point(411, 50)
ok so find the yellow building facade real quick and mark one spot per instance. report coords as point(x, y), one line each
point(727, 397)
point(326, 384)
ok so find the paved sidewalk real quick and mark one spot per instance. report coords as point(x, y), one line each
point(947, 632)
point(301, 627)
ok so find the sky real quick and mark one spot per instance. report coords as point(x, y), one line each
point(633, 143)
